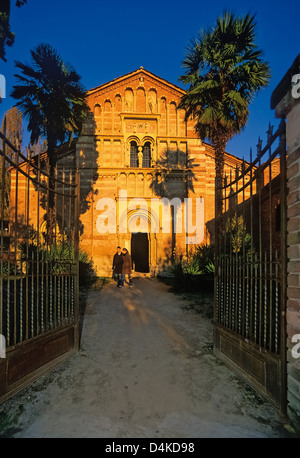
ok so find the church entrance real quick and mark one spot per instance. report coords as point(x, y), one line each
point(140, 251)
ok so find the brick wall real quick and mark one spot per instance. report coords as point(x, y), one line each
point(293, 280)
point(287, 106)
point(141, 108)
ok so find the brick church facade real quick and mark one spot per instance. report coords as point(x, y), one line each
point(147, 180)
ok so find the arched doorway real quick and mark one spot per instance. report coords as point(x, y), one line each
point(140, 251)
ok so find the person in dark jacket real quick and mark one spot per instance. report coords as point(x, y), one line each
point(118, 266)
point(127, 267)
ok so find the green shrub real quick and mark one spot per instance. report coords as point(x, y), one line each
point(59, 259)
point(195, 272)
point(178, 274)
point(205, 254)
point(193, 267)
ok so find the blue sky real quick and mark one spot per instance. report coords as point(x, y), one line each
point(104, 40)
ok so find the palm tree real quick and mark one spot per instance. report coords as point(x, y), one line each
point(53, 101)
point(224, 70)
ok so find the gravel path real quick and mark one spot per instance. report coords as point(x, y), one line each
point(145, 370)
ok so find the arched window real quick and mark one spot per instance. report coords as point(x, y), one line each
point(97, 110)
point(140, 100)
point(134, 160)
point(129, 99)
point(147, 154)
point(152, 100)
point(118, 103)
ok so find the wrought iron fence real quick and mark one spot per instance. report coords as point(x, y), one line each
point(250, 284)
point(38, 245)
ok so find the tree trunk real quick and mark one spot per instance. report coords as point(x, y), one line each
point(219, 146)
point(51, 219)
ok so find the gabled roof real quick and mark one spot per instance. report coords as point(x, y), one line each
point(140, 70)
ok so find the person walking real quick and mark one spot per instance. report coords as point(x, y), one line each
point(127, 267)
point(118, 266)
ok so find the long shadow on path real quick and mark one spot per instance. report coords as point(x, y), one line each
point(145, 370)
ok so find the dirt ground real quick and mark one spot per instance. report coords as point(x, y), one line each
point(145, 370)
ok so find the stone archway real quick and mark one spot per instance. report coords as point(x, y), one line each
point(141, 238)
point(139, 225)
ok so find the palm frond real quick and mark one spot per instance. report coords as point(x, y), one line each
point(224, 70)
point(50, 95)
point(27, 70)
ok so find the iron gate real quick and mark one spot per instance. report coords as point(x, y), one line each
point(39, 286)
point(250, 273)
